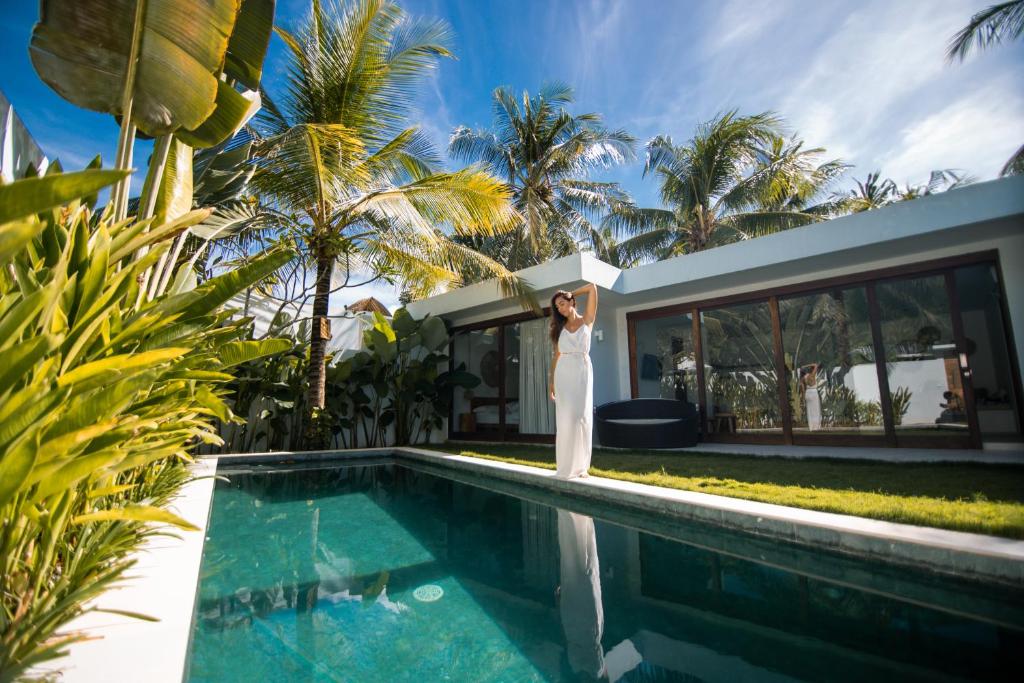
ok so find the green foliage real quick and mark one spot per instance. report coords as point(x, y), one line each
point(545, 154)
point(270, 390)
point(395, 383)
point(83, 49)
point(102, 393)
point(738, 177)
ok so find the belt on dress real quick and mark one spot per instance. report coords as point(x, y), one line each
point(572, 353)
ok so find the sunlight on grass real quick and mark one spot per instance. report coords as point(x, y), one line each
point(987, 499)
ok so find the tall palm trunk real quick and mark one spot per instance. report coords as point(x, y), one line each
point(319, 335)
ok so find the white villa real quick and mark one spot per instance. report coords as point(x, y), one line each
point(913, 315)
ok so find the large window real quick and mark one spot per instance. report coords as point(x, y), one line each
point(831, 378)
point(915, 357)
point(512, 361)
point(477, 409)
point(921, 361)
point(667, 358)
point(739, 369)
point(992, 371)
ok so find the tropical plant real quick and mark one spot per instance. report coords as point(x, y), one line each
point(875, 192)
point(991, 26)
point(130, 58)
point(339, 157)
point(545, 155)
point(101, 395)
point(269, 392)
point(394, 384)
point(737, 178)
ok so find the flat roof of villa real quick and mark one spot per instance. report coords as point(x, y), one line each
point(967, 215)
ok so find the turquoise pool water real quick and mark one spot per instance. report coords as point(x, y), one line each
point(390, 572)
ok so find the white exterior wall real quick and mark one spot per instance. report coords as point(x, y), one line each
point(1011, 260)
point(979, 218)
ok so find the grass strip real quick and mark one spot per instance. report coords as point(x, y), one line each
point(980, 498)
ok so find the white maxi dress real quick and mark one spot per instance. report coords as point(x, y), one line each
point(574, 403)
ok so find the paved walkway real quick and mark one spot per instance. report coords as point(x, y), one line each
point(1013, 455)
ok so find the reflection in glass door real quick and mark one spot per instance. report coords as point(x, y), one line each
point(926, 390)
point(667, 358)
point(979, 298)
point(739, 369)
point(831, 378)
point(477, 410)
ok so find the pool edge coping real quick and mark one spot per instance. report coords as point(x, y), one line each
point(163, 583)
point(960, 553)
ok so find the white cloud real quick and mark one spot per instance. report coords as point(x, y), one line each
point(976, 133)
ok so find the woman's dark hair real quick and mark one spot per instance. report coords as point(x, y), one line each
point(557, 319)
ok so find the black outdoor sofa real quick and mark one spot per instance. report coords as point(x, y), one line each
point(674, 424)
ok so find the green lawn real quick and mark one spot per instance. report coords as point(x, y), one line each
point(982, 498)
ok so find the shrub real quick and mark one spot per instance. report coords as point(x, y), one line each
point(102, 392)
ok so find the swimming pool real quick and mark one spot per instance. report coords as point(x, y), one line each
point(389, 571)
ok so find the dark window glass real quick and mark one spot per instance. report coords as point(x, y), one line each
point(666, 360)
point(476, 410)
point(987, 354)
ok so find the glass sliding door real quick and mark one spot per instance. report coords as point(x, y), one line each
point(739, 370)
point(985, 336)
point(511, 362)
point(831, 377)
point(536, 411)
point(921, 361)
point(477, 410)
point(666, 357)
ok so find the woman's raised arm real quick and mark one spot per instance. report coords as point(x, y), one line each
point(590, 290)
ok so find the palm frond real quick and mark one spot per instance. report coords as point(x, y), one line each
point(988, 27)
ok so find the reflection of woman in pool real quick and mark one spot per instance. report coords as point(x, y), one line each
point(579, 600)
point(812, 399)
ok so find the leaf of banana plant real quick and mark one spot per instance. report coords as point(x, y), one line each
point(174, 196)
point(232, 111)
point(248, 43)
point(81, 48)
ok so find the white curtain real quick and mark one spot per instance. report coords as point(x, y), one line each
point(536, 409)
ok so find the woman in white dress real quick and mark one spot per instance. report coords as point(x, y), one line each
point(812, 398)
point(572, 380)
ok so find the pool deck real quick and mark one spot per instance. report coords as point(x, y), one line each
point(163, 583)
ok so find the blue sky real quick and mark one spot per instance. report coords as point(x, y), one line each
point(865, 80)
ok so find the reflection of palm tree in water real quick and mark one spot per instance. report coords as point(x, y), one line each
point(580, 595)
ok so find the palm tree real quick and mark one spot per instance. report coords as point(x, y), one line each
point(737, 178)
point(986, 28)
point(366, 188)
point(875, 192)
point(545, 155)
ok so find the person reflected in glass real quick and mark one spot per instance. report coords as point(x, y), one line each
point(812, 397)
point(572, 380)
point(579, 596)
